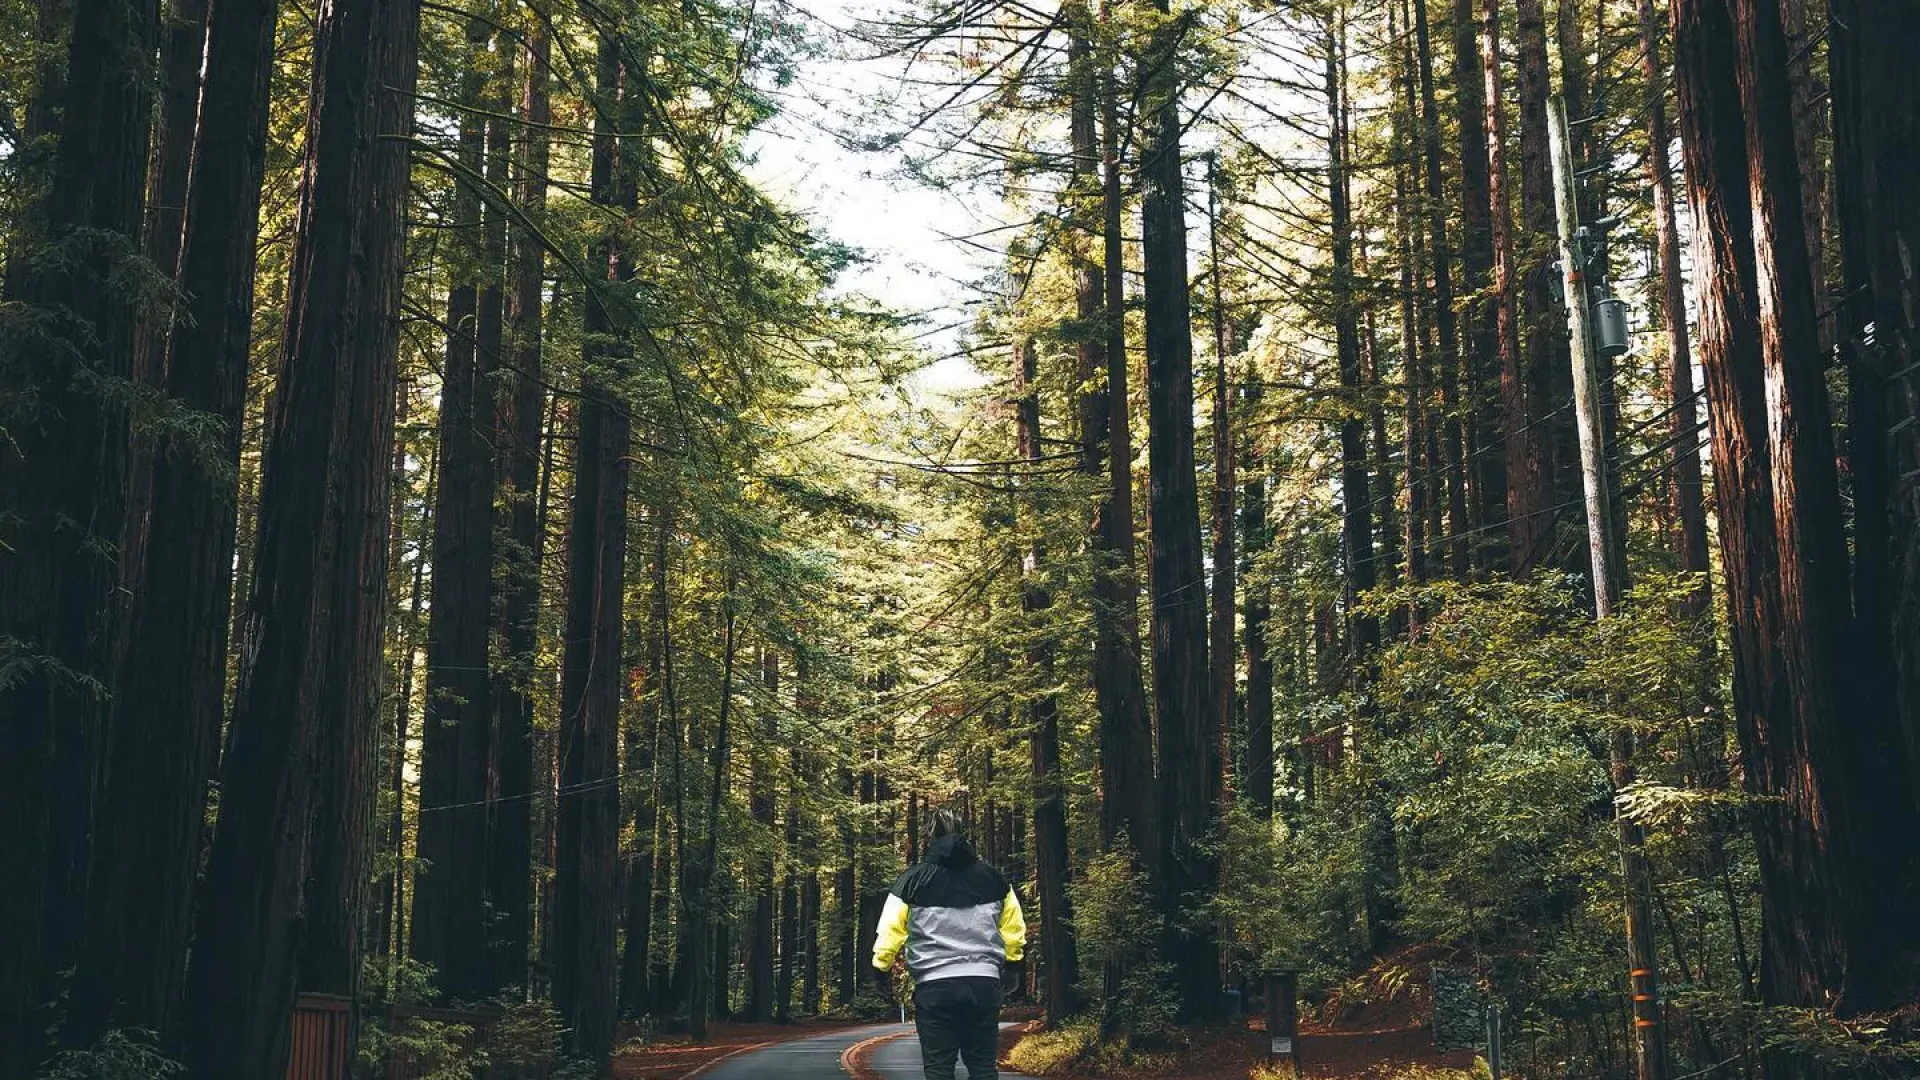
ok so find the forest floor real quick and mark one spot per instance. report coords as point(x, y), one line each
point(675, 1057)
point(1375, 1043)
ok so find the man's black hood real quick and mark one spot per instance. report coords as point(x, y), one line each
point(952, 851)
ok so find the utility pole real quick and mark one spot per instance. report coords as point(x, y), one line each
point(1649, 1039)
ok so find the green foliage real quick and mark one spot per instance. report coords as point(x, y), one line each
point(1114, 923)
point(119, 1055)
point(525, 1034)
point(436, 1049)
point(1079, 1049)
point(1813, 1039)
point(867, 1007)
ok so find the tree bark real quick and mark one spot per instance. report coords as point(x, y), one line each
point(172, 681)
point(1522, 445)
point(1356, 500)
point(791, 948)
point(1686, 491)
point(636, 957)
point(1843, 710)
point(711, 968)
point(1540, 435)
point(846, 923)
point(1060, 958)
point(588, 839)
point(760, 954)
point(1876, 168)
point(450, 911)
point(1184, 733)
point(1221, 605)
point(810, 944)
point(1256, 541)
point(66, 443)
point(1482, 362)
point(1780, 534)
point(300, 740)
point(1452, 420)
point(393, 886)
point(523, 405)
point(1126, 735)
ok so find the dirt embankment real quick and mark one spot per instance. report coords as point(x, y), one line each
point(1390, 1043)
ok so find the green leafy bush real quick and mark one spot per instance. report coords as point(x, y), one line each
point(119, 1055)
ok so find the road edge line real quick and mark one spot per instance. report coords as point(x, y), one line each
point(853, 1058)
point(729, 1055)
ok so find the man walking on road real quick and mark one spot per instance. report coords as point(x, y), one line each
point(963, 932)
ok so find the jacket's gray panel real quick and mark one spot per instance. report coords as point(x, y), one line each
point(943, 937)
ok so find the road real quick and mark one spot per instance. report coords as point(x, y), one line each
point(818, 1058)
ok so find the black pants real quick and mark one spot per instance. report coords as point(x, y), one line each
point(958, 1018)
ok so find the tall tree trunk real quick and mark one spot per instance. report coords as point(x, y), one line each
point(342, 830)
point(1059, 955)
point(1523, 445)
point(1356, 500)
point(450, 910)
point(1764, 389)
point(1876, 168)
point(760, 954)
point(172, 683)
point(1421, 417)
point(182, 40)
point(393, 887)
point(1221, 653)
point(846, 922)
point(668, 829)
point(1803, 26)
point(523, 405)
point(711, 959)
point(1540, 435)
point(1379, 448)
point(1126, 735)
point(1843, 709)
point(299, 744)
point(636, 959)
point(1452, 420)
point(791, 948)
point(588, 839)
point(810, 944)
point(1482, 361)
point(63, 508)
point(1185, 873)
point(1686, 491)
point(1256, 540)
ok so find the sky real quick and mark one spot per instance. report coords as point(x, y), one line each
point(905, 229)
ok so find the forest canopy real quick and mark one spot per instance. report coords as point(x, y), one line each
point(1407, 493)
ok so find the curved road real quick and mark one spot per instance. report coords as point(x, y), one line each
point(818, 1058)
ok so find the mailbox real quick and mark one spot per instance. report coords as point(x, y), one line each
point(1610, 326)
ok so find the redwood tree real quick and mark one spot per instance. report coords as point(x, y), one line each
point(588, 853)
point(1184, 735)
point(172, 680)
point(450, 914)
point(303, 711)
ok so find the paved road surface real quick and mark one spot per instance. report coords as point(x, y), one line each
point(900, 1060)
point(818, 1058)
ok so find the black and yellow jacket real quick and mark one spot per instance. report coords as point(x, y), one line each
point(954, 915)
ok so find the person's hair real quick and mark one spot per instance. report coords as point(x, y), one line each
point(947, 823)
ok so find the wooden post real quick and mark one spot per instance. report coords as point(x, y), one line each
point(1283, 1017)
point(1649, 1042)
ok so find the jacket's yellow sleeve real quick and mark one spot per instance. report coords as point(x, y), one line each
point(1013, 928)
point(893, 933)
